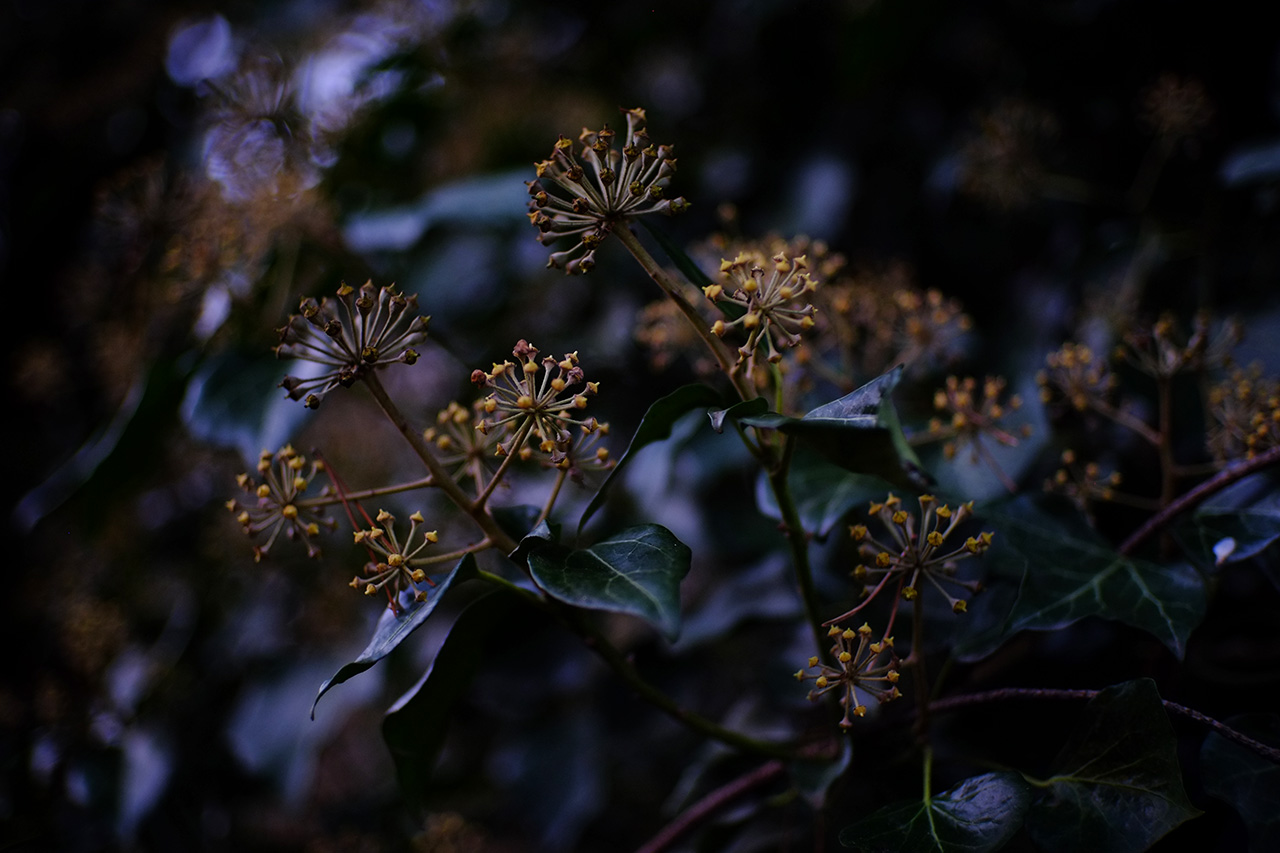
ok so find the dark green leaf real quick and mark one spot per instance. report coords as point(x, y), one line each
point(543, 534)
point(978, 815)
point(758, 406)
point(1064, 572)
point(763, 591)
point(1246, 780)
point(1236, 524)
point(235, 400)
point(415, 725)
point(637, 571)
point(1118, 786)
point(824, 493)
point(654, 426)
point(859, 432)
point(516, 521)
point(394, 628)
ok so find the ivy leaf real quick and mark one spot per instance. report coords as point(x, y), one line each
point(543, 534)
point(1119, 787)
point(415, 726)
point(1064, 572)
point(1245, 780)
point(824, 493)
point(980, 814)
point(859, 432)
point(637, 571)
point(394, 628)
point(654, 426)
point(1236, 524)
point(516, 521)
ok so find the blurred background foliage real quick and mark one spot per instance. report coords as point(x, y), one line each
point(175, 176)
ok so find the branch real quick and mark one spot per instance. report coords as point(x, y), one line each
point(1197, 495)
point(1008, 693)
point(710, 804)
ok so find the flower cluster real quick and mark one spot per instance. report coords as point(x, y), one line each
point(877, 318)
point(394, 566)
point(1246, 412)
point(535, 399)
point(1002, 165)
point(275, 505)
point(464, 449)
point(359, 331)
point(1083, 485)
point(867, 666)
point(1176, 107)
point(767, 304)
point(612, 185)
point(972, 416)
point(917, 549)
point(1074, 373)
point(1163, 351)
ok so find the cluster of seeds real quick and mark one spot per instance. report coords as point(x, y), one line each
point(864, 665)
point(275, 505)
point(535, 399)
point(917, 549)
point(973, 415)
point(350, 336)
point(394, 566)
point(1074, 374)
point(598, 187)
point(768, 306)
point(1246, 412)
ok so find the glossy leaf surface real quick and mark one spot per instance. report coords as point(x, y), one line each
point(415, 726)
point(1118, 786)
point(980, 814)
point(858, 432)
point(654, 426)
point(1057, 571)
point(1236, 524)
point(394, 628)
point(637, 571)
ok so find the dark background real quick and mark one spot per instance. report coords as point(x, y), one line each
point(152, 673)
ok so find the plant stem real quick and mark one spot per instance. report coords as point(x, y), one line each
point(672, 289)
point(1195, 496)
point(369, 493)
point(920, 675)
point(512, 451)
point(1164, 404)
point(561, 474)
point(712, 803)
point(798, 542)
point(627, 672)
point(1125, 419)
point(441, 477)
point(951, 703)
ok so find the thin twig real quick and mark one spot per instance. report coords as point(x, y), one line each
point(1197, 495)
point(710, 804)
point(1010, 693)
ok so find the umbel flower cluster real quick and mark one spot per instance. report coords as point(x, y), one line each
point(917, 550)
point(358, 332)
point(597, 187)
point(535, 399)
point(394, 566)
point(867, 666)
point(766, 304)
point(275, 503)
